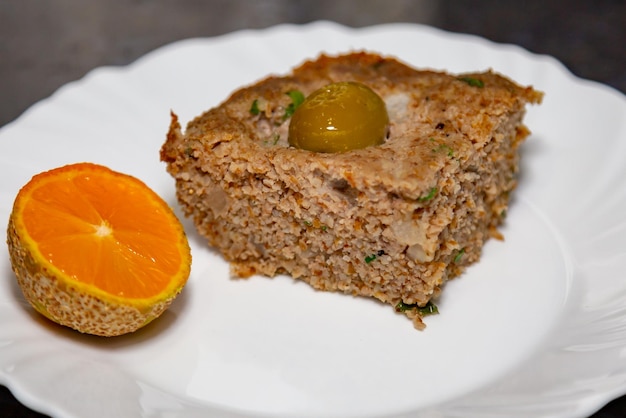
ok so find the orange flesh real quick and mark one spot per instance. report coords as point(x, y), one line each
point(105, 229)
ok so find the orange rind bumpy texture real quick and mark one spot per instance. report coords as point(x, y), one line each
point(96, 250)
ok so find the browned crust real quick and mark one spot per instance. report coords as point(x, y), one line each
point(363, 222)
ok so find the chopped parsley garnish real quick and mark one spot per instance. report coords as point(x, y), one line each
point(254, 109)
point(429, 196)
point(441, 147)
point(459, 255)
point(316, 224)
point(428, 309)
point(372, 257)
point(444, 148)
point(296, 100)
point(474, 82)
point(273, 140)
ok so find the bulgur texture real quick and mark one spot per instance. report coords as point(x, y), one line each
point(394, 221)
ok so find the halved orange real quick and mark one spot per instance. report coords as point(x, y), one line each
point(96, 250)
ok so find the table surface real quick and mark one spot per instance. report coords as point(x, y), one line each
point(44, 45)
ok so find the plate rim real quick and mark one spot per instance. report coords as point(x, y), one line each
point(33, 401)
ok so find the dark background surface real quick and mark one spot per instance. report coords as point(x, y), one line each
point(45, 44)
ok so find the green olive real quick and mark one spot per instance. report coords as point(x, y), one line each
point(339, 117)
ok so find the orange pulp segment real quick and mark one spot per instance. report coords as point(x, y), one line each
point(101, 233)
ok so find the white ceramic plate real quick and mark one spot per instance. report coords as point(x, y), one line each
point(537, 328)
